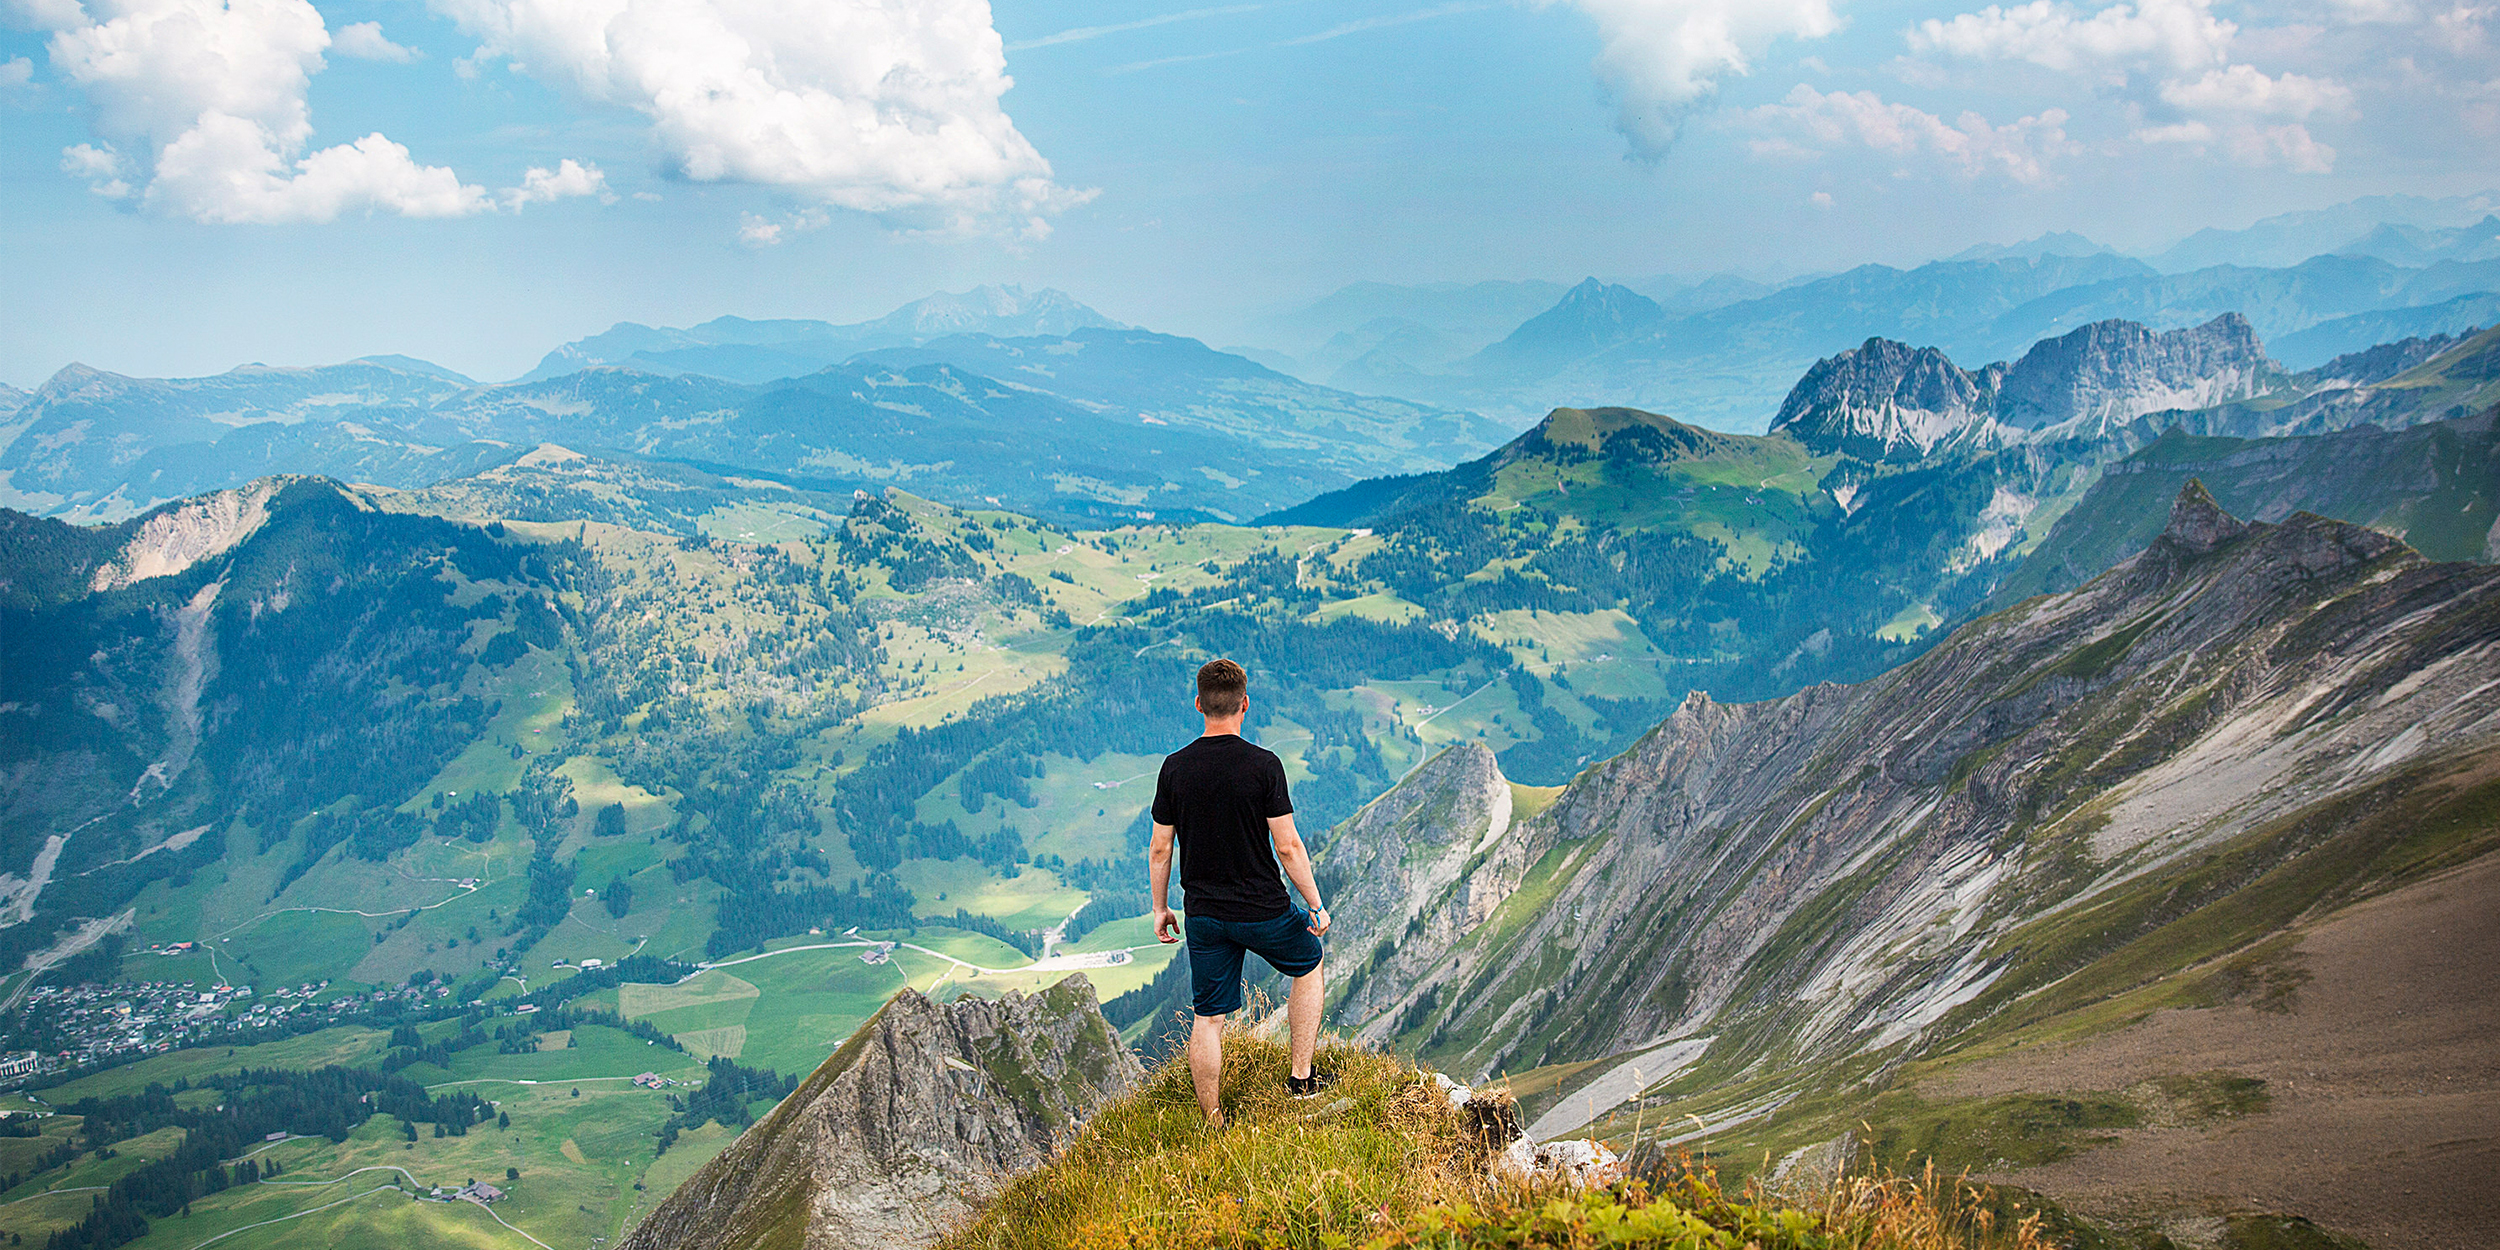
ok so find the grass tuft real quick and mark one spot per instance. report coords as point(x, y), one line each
point(1385, 1163)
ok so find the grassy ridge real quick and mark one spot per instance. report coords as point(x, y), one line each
point(1387, 1163)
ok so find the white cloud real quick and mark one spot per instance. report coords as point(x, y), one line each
point(1662, 59)
point(756, 231)
point(216, 93)
point(1809, 122)
point(2242, 89)
point(230, 170)
point(2289, 145)
point(2169, 58)
point(568, 179)
point(886, 108)
point(365, 41)
point(100, 166)
point(2179, 36)
point(15, 73)
point(201, 104)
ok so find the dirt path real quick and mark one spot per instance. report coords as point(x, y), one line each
point(2385, 1079)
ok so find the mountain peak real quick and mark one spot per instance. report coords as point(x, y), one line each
point(1888, 400)
point(2198, 523)
point(2111, 372)
point(922, 1112)
point(1589, 318)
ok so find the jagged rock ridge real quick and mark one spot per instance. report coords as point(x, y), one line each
point(917, 1117)
point(1874, 869)
point(1888, 400)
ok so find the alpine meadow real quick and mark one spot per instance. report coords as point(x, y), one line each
point(1838, 732)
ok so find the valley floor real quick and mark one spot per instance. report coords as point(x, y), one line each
point(2383, 1075)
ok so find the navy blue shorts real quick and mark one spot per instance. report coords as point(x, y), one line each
point(1216, 947)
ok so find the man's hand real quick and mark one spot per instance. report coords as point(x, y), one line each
point(1167, 926)
point(1319, 923)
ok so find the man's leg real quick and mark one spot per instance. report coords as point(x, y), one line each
point(1206, 1064)
point(1302, 1016)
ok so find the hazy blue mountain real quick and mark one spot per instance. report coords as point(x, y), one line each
point(1682, 296)
point(2418, 246)
point(1590, 318)
point(2289, 238)
point(2054, 243)
point(2329, 339)
point(85, 433)
point(1164, 380)
point(1101, 423)
point(742, 350)
point(1468, 315)
point(2275, 301)
point(1728, 368)
point(1392, 351)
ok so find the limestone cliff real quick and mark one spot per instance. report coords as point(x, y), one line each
point(917, 1117)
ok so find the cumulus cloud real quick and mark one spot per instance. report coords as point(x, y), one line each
point(215, 92)
point(201, 112)
point(365, 41)
point(2242, 89)
point(885, 108)
point(2170, 59)
point(1809, 122)
point(568, 179)
point(2174, 35)
point(16, 73)
point(1662, 59)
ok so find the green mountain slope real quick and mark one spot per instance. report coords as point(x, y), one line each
point(2435, 486)
point(1776, 911)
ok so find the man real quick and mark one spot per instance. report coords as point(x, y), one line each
point(1223, 801)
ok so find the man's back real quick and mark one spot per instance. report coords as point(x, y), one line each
point(1218, 793)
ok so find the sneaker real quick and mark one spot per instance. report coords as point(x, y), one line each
point(1309, 1086)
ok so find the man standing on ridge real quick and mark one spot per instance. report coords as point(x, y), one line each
point(1222, 799)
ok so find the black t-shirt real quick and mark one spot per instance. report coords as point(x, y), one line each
point(1217, 794)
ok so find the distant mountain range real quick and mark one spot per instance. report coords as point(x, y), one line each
point(1720, 352)
point(1097, 423)
point(739, 350)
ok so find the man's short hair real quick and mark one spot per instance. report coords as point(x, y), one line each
point(1223, 688)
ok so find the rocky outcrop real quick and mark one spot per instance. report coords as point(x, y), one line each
point(1889, 401)
point(177, 536)
point(921, 1114)
point(1869, 870)
point(2111, 372)
point(1414, 872)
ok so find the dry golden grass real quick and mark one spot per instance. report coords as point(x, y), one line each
point(1384, 1162)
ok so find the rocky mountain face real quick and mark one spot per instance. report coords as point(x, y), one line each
point(2110, 372)
point(921, 1114)
point(1889, 401)
point(2049, 802)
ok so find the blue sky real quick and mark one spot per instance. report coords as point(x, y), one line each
point(191, 184)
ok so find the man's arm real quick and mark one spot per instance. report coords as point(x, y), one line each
point(1159, 878)
point(1296, 859)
